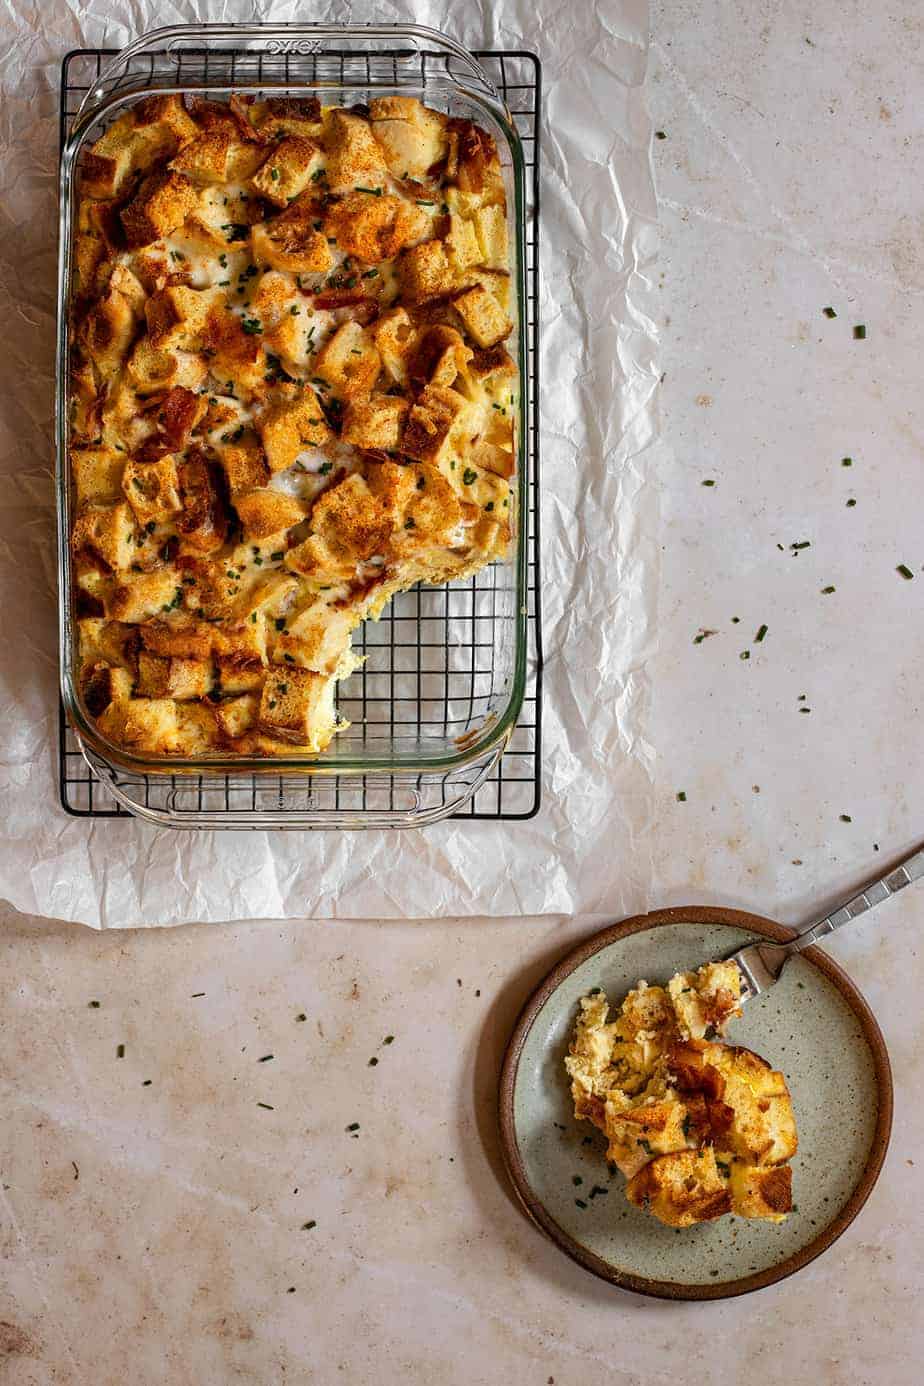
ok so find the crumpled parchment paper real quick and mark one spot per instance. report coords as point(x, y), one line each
point(587, 850)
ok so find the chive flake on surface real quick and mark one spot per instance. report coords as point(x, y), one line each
point(576, 1180)
point(146, 1083)
point(707, 483)
point(859, 332)
point(803, 544)
point(120, 1051)
point(266, 1107)
point(851, 503)
point(846, 461)
point(389, 1039)
point(353, 1126)
point(846, 818)
point(265, 1058)
point(301, 1016)
point(93, 1005)
point(826, 591)
point(829, 312)
point(579, 1202)
point(197, 993)
point(681, 796)
point(660, 135)
point(307, 1226)
point(703, 634)
point(372, 1062)
point(761, 632)
point(745, 654)
point(905, 571)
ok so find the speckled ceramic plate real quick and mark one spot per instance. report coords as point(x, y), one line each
point(814, 1025)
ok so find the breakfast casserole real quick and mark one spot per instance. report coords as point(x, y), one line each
point(698, 1127)
point(290, 399)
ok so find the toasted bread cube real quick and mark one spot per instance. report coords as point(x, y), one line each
point(151, 370)
point(349, 361)
point(353, 155)
point(485, 321)
point(142, 724)
point(394, 337)
point(107, 642)
point(160, 677)
point(761, 1192)
point(287, 170)
point(412, 136)
point(108, 530)
point(101, 685)
point(294, 422)
point(240, 655)
point(462, 244)
point(319, 564)
point(197, 729)
point(374, 228)
point(681, 1189)
point(495, 282)
point(205, 158)
point(292, 242)
point(202, 522)
point(272, 593)
point(152, 489)
point(351, 520)
point(168, 116)
point(637, 1133)
point(244, 464)
point(297, 705)
point(235, 716)
point(177, 317)
point(191, 640)
point(97, 474)
point(493, 368)
point(237, 355)
point(287, 116)
point(264, 513)
point(143, 595)
point(120, 152)
point(316, 638)
point(425, 272)
point(439, 357)
point(432, 424)
point(375, 422)
point(491, 229)
point(706, 999)
point(107, 331)
point(162, 203)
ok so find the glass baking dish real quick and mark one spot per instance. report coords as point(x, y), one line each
point(437, 699)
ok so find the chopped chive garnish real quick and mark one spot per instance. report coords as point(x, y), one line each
point(826, 591)
point(94, 1005)
point(859, 332)
point(851, 503)
point(905, 571)
point(707, 483)
point(829, 312)
point(307, 1226)
point(265, 1059)
point(846, 461)
point(372, 1062)
point(373, 192)
point(745, 654)
point(120, 1051)
point(301, 1016)
point(846, 818)
point(580, 1203)
point(681, 796)
point(197, 993)
point(761, 632)
point(660, 135)
point(389, 1039)
point(803, 544)
point(266, 1107)
point(354, 1125)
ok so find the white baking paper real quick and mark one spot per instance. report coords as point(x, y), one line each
point(588, 849)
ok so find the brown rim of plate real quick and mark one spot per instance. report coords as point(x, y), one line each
point(669, 1289)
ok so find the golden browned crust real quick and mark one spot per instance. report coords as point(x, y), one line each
point(290, 400)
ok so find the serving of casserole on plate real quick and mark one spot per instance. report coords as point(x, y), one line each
point(290, 398)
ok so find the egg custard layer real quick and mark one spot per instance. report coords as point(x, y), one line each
point(291, 399)
point(699, 1128)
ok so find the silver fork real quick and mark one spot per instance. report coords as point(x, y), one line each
point(760, 964)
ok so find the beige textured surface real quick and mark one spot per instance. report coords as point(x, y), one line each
point(169, 1259)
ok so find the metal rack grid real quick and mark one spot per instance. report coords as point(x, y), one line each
point(418, 621)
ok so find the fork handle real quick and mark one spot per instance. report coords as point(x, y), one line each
point(911, 869)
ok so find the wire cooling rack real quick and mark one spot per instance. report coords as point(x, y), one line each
point(429, 658)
